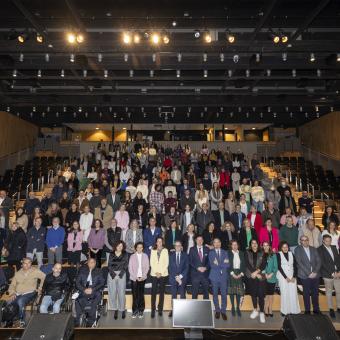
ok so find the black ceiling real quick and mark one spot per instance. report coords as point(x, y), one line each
point(186, 80)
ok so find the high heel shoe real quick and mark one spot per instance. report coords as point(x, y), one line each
point(115, 316)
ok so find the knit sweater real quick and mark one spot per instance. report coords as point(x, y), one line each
point(26, 282)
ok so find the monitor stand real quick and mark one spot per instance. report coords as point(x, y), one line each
point(193, 333)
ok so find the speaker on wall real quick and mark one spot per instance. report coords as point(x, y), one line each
point(49, 327)
point(309, 327)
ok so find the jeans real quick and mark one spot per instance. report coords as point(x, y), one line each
point(258, 206)
point(38, 255)
point(22, 301)
point(47, 301)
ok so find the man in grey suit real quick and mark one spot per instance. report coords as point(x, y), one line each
point(308, 268)
point(113, 200)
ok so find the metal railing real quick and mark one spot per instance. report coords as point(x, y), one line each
point(311, 190)
point(27, 188)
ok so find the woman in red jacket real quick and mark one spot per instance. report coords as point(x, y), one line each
point(224, 181)
point(255, 219)
point(270, 234)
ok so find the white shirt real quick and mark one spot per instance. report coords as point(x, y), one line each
point(1, 200)
point(89, 278)
point(134, 235)
point(252, 219)
point(236, 260)
point(139, 270)
point(187, 218)
point(85, 223)
point(329, 249)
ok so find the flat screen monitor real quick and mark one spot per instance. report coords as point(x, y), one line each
point(192, 314)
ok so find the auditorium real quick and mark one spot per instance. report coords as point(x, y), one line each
point(169, 169)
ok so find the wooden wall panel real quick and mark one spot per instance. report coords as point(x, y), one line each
point(15, 134)
point(323, 135)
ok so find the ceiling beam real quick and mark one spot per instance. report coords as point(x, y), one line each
point(30, 17)
point(260, 24)
point(75, 15)
point(309, 19)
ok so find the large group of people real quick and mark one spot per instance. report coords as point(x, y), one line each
point(210, 220)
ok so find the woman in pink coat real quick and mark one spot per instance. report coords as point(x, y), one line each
point(139, 266)
point(270, 234)
point(74, 244)
point(123, 219)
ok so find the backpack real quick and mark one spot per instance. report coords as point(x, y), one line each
point(9, 312)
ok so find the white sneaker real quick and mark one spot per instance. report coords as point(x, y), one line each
point(262, 318)
point(254, 314)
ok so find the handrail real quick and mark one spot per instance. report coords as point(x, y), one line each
point(311, 186)
point(27, 188)
point(49, 176)
point(324, 194)
point(307, 148)
point(13, 198)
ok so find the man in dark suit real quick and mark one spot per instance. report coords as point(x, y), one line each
point(237, 218)
point(203, 217)
point(90, 283)
point(199, 266)
point(187, 199)
point(113, 200)
point(330, 272)
point(308, 269)
point(5, 205)
point(219, 275)
point(185, 186)
point(150, 235)
point(141, 216)
point(178, 272)
point(221, 215)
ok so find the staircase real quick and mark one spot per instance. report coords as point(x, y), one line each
point(319, 205)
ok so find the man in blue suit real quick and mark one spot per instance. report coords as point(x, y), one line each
point(219, 268)
point(199, 266)
point(150, 235)
point(178, 272)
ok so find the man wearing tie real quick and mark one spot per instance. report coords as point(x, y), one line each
point(178, 272)
point(308, 268)
point(237, 218)
point(219, 269)
point(199, 265)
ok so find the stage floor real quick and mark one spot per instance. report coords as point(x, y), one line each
point(233, 323)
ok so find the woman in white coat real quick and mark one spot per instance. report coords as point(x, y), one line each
point(287, 275)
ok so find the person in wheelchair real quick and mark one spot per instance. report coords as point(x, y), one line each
point(26, 284)
point(89, 283)
point(55, 286)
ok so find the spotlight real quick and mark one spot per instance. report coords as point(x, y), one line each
point(71, 37)
point(155, 38)
point(39, 38)
point(84, 73)
point(230, 38)
point(205, 73)
point(131, 73)
point(62, 73)
point(106, 73)
point(21, 57)
point(318, 73)
point(258, 57)
point(154, 57)
point(247, 73)
point(126, 57)
point(179, 57)
point(276, 39)
point(294, 73)
point(166, 39)
point(269, 72)
point(100, 57)
point(64, 108)
point(126, 38)
point(230, 73)
point(80, 38)
point(207, 37)
point(22, 38)
point(284, 56)
point(221, 57)
point(72, 58)
point(47, 57)
point(39, 74)
point(152, 73)
point(197, 34)
point(205, 57)
point(312, 57)
point(174, 23)
point(338, 57)
point(14, 73)
point(178, 73)
point(236, 58)
point(136, 38)
point(284, 39)
point(80, 109)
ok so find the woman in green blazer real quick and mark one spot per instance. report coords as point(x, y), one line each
point(270, 274)
point(235, 283)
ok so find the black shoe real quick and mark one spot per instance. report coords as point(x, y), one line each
point(271, 315)
point(140, 315)
point(217, 315)
point(338, 310)
point(123, 315)
point(153, 313)
point(331, 313)
point(316, 312)
point(307, 312)
point(224, 316)
point(115, 316)
point(160, 313)
point(266, 315)
point(170, 314)
point(233, 312)
point(283, 315)
point(238, 312)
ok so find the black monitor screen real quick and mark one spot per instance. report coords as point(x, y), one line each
point(192, 314)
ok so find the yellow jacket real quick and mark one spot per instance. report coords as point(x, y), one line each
point(161, 265)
